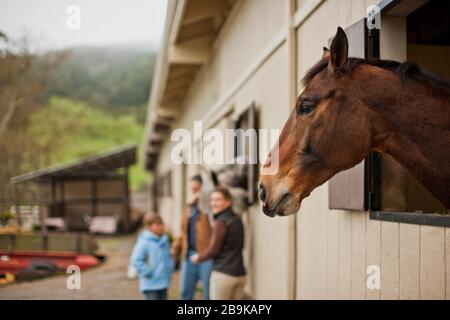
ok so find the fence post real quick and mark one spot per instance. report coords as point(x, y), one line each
point(16, 199)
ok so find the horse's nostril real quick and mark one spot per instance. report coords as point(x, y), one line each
point(262, 193)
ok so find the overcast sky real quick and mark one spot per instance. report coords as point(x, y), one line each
point(102, 22)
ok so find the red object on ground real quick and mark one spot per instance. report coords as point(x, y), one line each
point(16, 261)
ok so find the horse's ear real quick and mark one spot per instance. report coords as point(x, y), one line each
point(326, 53)
point(338, 51)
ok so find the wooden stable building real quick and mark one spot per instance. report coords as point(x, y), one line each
point(79, 192)
point(223, 60)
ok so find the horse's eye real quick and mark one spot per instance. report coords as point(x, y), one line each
point(305, 108)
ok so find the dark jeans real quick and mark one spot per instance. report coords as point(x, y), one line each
point(156, 294)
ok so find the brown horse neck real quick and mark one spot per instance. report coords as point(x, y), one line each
point(411, 122)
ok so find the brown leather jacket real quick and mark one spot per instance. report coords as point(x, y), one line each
point(202, 233)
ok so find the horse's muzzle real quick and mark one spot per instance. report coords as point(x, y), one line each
point(277, 208)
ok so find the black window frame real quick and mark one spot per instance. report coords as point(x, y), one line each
point(250, 115)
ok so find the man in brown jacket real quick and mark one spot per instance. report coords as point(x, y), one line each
point(195, 235)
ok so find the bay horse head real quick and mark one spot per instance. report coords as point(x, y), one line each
point(327, 132)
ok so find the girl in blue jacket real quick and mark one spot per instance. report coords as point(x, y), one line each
point(152, 259)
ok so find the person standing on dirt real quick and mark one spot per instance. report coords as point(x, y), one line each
point(195, 236)
point(152, 259)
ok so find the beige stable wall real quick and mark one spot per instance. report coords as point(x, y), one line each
point(334, 247)
point(267, 239)
point(170, 207)
point(324, 248)
point(251, 28)
point(248, 30)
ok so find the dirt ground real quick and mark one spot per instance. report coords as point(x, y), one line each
point(107, 281)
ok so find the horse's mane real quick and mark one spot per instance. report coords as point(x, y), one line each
point(406, 71)
point(315, 70)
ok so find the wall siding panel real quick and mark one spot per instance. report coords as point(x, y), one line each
point(432, 263)
point(389, 260)
point(345, 255)
point(409, 261)
point(334, 247)
point(373, 252)
point(358, 283)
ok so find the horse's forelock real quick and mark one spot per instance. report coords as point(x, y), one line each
point(315, 70)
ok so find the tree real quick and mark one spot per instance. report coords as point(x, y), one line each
point(23, 78)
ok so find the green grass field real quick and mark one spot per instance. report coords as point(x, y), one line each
point(77, 129)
